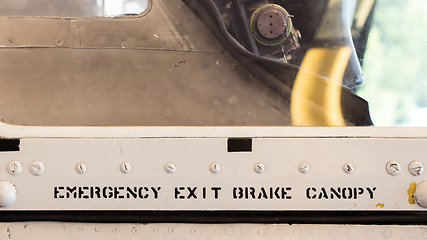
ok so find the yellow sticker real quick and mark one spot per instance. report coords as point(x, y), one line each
point(381, 205)
point(411, 191)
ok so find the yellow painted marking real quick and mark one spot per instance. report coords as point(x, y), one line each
point(381, 205)
point(316, 94)
point(411, 191)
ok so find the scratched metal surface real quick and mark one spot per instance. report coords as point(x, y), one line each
point(163, 68)
point(131, 87)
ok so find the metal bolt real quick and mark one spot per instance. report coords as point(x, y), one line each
point(215, 168)
point(59, 42)
point(81, 168)
point(348, 168)
point(393, 168)
point(125, 167)
point(170, 168)
point(259, 167)
point(14, 168)
point(304, 167)
point(416, 168)
point(37, 168)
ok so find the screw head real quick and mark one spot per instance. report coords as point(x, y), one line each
point(215, 168)
point(304, 168)
point(125, 167)
point(37, 168)
point(259, 167)
point(416, 168)
point(81, 168)
point(14, 168)
point(170, 168)
point(59, 42)
point(348, 168)
point(394, 168)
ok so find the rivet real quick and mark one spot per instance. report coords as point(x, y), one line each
point(304, 168)
point(125, 167)
point(416, 168)
point(14, 168)
point(369, 233)
point(234, 66)
point(170, 168)
point(259, 167)
point(153, 230)
point(412, 234)
point(97, 229)
point(115, 229)
point(229, 231)
point(348, 168)
point(37, 168)
point(59, 42)
point(393, 168)
point(244, 231)
point(171, 230)
point(135, 230)
point(387, 234)
point(315, 232)
point(279, 232)
point(262, 232)
point(215, 168)
point(194, 230)
point(296, 232)
point(81, 168)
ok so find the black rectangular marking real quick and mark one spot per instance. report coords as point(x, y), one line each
point(9, 145)
point(239, 145)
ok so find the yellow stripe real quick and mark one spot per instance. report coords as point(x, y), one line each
point(316, 95)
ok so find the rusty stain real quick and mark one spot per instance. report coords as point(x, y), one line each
point(411, 191)
point(179, 63)
point(120, 147)
point(381, 205)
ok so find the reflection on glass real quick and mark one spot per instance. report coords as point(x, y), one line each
point(394, 65)
point(117, 8)
point(74, 8)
